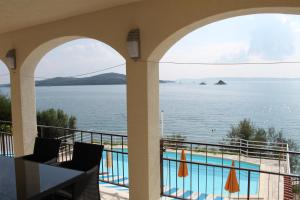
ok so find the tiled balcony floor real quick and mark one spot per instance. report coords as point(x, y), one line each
point(112, 192)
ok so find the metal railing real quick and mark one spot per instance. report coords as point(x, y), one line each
point(6, 142)
point(208, 166)
point(114, 163)
point(244, 144)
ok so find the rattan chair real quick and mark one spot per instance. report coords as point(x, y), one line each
point(45, 151)
point(86, 157)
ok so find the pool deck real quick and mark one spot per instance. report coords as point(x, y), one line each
point(112, 192)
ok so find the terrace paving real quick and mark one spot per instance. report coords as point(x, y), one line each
point(112, 192)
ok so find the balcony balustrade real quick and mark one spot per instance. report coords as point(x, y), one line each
point(262, 172)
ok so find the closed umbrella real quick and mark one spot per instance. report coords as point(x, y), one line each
point(183, 168)
point(232, 184)
point(108, 160)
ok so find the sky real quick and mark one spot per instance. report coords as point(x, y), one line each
point(251, 38)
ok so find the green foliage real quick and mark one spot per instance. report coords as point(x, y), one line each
point(5, 106)
point(260, 135)
point(245, 130)
point(56, 118)
point(5, 113)
point(50, 117)
point(296, 189)
point(176, 136)
point(248, 131)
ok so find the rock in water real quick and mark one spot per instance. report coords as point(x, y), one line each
point(220, 82)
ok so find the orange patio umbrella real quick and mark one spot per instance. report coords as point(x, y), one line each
point(108, 160)
point(183, 168)
point(232, 184)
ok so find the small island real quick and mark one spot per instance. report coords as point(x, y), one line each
point(202, 83)
point(220, 82)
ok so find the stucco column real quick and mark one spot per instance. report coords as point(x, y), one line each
point(143, 130)
point(23, 112)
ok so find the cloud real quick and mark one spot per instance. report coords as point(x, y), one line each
point(271, 39)
point(4, 74)
point(252, 38)
point(78, 57)
point(233, 53)
point(222, 52)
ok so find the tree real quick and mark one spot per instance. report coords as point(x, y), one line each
point(55, 118)
point(50, 117)
point(5, 106)
point(245, 130)
point(260, 135)
point(5, 113)
point(248, 131)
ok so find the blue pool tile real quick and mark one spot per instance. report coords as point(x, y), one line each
point(186, 194)
point(171, 191)
point(112, 186)
point(116, 187)
point(219, 198)
point(123, 189)
point(202, 197)
point(106, 176)
point(121, 180)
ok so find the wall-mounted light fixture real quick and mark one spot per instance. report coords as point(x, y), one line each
point(11, 59)
point(133, 44)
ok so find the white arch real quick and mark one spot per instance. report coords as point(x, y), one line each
point(174, 37)
point(31, 61)
point(4, 72)
point(91, 54)
point(23, 95)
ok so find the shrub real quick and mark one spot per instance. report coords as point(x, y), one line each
point(244, 130)
point(5, 106)
point(50, 117)
point(56, 118)
point(248, 131)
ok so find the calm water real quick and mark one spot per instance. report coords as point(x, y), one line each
point(211, 179)
point(189, 109)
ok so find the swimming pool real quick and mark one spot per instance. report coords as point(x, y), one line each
point(201, 179)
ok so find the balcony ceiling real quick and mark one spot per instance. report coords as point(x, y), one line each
point(19, 14)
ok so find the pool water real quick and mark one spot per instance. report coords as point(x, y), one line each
point(208, 179)
point(201, 179)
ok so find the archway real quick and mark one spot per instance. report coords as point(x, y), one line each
point(6, 147)
point(223, 49)
point(76, 72)
point(202, 106)
point(24, 85)
point(175, 35)
point(4, 79)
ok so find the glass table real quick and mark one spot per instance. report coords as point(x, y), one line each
point(26, 180)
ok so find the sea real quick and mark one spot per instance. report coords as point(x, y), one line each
point(198, 112)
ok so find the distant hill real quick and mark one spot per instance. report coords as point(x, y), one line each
point(101, 79)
